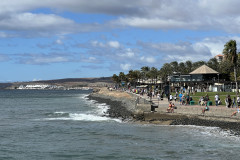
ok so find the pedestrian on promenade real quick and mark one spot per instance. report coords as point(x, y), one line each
point(206, 99)
point(229, 101)
point(238, 100)
point(153, 94)
point(170, 97)
point(175, 98)
point(158, 96)
point(180, 98)
point(216, 99)
point(183, 100)
point(226, 101)
point(234, 102)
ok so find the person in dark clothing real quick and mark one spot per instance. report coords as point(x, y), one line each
point(229, 101)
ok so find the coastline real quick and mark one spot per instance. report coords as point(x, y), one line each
point(131, 107)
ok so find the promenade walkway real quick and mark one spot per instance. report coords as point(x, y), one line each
point(215, 111)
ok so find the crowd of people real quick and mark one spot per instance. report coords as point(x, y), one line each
point(185, 99)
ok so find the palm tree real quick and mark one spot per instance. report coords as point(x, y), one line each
point(153, 74)
point(137, 76)
point(130, 76)
point(188, 65)
point(133, 76)
point(214, 64)
point(175, 67)
point(122, 78)
point(115, 78)
point(144, 72)
point(165, 71)
point(182, 68)
point(198, 64)
point(230, 54)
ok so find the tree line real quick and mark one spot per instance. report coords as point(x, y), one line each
point(229, 65)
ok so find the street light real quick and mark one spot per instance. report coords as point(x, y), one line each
point(218, 82)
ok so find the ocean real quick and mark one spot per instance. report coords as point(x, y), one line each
point(59, 125)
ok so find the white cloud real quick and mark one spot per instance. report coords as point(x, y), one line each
point(42, 59)
point(16, 15)
point(111, 44)
point(97, 44)
point(114, 44)
point(125, 67)
point(154, 23)
point(216, 44)
point(59, 41)
point(148, 59)
point(129, 53)
point(90, 60)
point(185, 14)
point(37, 22)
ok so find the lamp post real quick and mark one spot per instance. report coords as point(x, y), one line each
point(218, 83)
point(169, 85)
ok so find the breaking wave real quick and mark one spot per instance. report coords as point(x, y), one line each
point(96, 112)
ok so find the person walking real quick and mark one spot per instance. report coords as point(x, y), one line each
point(180, 98)
point(228, 101)
point(234, 102)
point(238, 100)
point(170, 97)
point(216, 99)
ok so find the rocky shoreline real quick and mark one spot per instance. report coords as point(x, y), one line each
point(125, 109)
point(117, 108)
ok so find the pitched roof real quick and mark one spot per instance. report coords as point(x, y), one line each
point(219, 55)
point(204, 70)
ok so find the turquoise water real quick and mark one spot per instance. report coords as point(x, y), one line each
point(66, 125)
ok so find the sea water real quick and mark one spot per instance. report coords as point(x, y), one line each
point(49, 124)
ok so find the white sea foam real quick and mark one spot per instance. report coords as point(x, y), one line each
point(211, 131)
point(102, 108)
point(96, 112)
point(84, 117)
point(85, 96)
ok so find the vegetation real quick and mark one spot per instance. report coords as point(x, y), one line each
point(222, 96)
point(230, 52)
point(232, 60)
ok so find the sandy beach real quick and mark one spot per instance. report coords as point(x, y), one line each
point(136, 108)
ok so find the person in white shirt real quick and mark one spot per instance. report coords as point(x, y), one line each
point(170, 97)
point(216, 99)
point(238, 100)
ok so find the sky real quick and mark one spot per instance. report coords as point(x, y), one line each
point(55, 39)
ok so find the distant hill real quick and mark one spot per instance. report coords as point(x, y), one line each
point(65, 82)
point(89, 80)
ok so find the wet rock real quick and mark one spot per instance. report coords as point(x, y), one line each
point(117, 109)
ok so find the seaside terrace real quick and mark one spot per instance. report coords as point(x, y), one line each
point(202, 79)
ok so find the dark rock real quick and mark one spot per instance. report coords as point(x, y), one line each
point(116, 109)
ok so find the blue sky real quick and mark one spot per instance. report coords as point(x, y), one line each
point(54, 39)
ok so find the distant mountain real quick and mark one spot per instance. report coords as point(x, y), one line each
point(66, 82)
point(89, 80)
